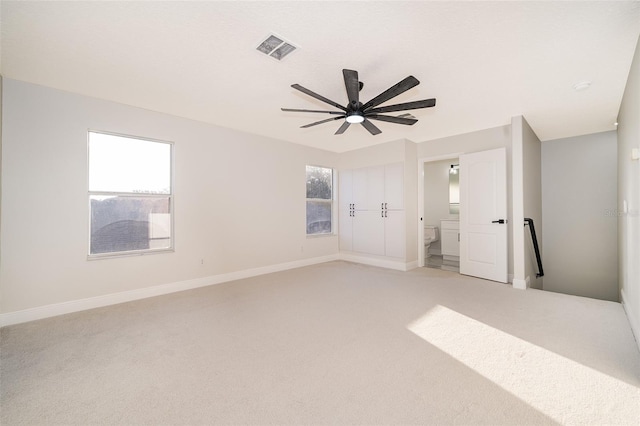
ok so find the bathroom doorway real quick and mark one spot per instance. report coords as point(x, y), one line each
point(439, 205)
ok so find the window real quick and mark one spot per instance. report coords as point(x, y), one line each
point(319, 200)
point(130, 195)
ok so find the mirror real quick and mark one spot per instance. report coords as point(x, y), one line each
point(454, 189)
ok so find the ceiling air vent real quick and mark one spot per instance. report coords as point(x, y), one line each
point(276, 47)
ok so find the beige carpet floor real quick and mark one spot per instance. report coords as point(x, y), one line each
point(335, 343)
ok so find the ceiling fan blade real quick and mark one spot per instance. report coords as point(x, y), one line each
point(392, 92)
point(353, 87)
point(322, 121)
point(390, 119)
point(426, 103)
point(311, 110)
point(371, 127)
point(318, 97)
point(342, 128)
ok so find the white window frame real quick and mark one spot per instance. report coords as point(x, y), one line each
point(170, 195)
point(331, 200)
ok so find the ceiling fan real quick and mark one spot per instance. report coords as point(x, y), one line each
point(357, 112)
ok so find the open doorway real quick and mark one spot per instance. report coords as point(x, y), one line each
point(439, 205)
point(472, 233)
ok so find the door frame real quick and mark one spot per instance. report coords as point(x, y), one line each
point(420, 225)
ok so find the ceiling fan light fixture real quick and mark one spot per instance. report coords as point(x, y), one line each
point(354, 118)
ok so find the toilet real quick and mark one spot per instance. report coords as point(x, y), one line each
point(431, 235)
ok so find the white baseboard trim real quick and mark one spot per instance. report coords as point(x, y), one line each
point(412, 265)
point(56, 309)
point(520, 284)
point(398, 265)
point(632, 316)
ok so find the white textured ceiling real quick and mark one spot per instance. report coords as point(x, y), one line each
point(484, 61)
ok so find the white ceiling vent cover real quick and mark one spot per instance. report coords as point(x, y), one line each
point(276, 47)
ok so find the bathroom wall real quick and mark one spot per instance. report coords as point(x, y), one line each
point(436, 195)
point(579, 219)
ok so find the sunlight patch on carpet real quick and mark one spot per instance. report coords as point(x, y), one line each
point(548, 382)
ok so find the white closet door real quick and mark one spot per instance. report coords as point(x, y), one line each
point(368, 232)
point(359, 188)
point(394, 233)
point(345, 236)
point(394, 186)
point(345, 188)
point(375, 188)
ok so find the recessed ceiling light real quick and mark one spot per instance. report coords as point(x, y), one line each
point(583, 85)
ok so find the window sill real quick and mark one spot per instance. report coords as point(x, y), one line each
point(312, 236)
point(128, 254)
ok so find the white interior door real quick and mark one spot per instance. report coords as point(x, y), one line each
point(483, 214)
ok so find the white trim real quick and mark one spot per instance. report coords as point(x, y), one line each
point(56, 309)
point(520, 284)
point(632, 316)
point(517, 198)
point(420, 224)
point(170, 196)
point(387, 263)
point(412, 265)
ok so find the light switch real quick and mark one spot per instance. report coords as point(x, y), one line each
point(635, 153)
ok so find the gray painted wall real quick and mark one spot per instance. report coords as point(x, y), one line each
point(629, 194)
point(579, 224)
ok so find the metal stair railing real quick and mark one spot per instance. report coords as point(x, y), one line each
point(536, 248)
